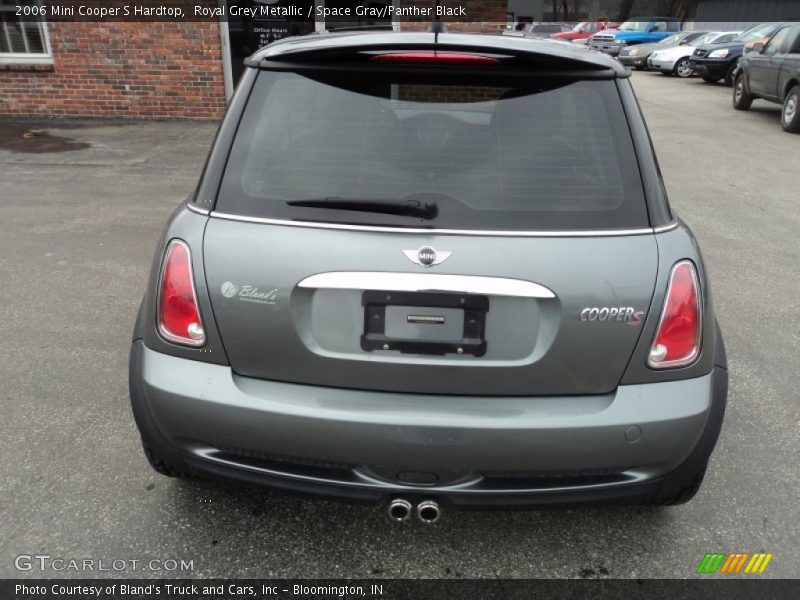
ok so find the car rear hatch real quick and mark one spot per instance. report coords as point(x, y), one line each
point(432, 226)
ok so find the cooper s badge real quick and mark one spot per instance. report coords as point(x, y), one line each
point(620, 314)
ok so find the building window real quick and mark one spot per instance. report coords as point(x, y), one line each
point(23, 38)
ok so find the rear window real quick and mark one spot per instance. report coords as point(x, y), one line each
point(504, 154)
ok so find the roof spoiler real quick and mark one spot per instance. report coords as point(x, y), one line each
point(353, 57)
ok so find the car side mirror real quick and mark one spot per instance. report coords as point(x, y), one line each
point(758, 48)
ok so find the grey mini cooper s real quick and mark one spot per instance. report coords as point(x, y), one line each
point(430, 272)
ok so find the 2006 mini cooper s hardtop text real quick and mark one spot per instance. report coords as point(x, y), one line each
point(431, 271)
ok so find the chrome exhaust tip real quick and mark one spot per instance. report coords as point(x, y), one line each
point(399, 510)
point(428, 511)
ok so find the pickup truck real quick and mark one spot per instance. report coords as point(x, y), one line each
point(583, 30)
point(771, 72)
point(641, 30)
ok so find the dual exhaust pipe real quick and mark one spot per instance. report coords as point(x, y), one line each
point(400, 510)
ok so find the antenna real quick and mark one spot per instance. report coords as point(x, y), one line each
point(437, 26)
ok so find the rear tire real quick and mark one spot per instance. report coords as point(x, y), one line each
point(683, 68)
point(165, 458)
point(686, 493)
point(790, 115)
point(709, 79)
point(683, 494)
point(161, 465)
point(742, 99)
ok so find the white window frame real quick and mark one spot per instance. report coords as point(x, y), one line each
point(28, 58)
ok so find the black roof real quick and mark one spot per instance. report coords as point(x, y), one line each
point(293, 48)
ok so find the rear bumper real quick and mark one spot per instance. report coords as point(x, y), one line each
point(484, 451)
point(633, 61)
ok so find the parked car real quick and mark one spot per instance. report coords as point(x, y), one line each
point(636, 56)
point(545, 30)
point(583, 30)
point(771, 72)
point(678, 59)
point(643, 30)
point(451, 275)
point(719, 61)
point(542, 30)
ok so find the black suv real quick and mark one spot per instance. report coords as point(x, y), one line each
point(720, 61)
point(772, 72)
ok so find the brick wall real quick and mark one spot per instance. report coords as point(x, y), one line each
point(152, 69)
point(141, 69)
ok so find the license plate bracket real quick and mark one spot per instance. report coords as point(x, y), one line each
point(472, 341)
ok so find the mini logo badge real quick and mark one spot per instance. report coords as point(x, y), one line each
point(229, 290)
point(426, 256)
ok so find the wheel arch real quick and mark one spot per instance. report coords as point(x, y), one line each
point(789, 85)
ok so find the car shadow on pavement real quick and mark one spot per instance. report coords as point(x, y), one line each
point(360, 540)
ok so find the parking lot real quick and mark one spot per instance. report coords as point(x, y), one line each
point(81, 209)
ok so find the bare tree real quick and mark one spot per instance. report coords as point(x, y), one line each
point(566, 10)
point(682, 9)
point(625, 7)
point(577, 5)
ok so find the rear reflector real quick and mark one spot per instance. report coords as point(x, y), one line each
point(178, 313)
point(678, 337)
point(435, 58)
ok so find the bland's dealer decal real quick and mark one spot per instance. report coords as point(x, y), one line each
point(249, 293)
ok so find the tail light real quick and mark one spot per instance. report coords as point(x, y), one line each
point(679, 333)
point(179, 318)
point(435, 58)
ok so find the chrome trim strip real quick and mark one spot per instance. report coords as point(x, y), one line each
point(196, 209)
point(663, 228)
point(425, 282)
point(473, 232)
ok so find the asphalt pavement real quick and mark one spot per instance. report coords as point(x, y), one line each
point(82, 205)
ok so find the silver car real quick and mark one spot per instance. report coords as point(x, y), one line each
point(431, 270)
point(636, 56)
point(677, 60)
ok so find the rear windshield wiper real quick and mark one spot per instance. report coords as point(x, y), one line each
point(406, 208)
